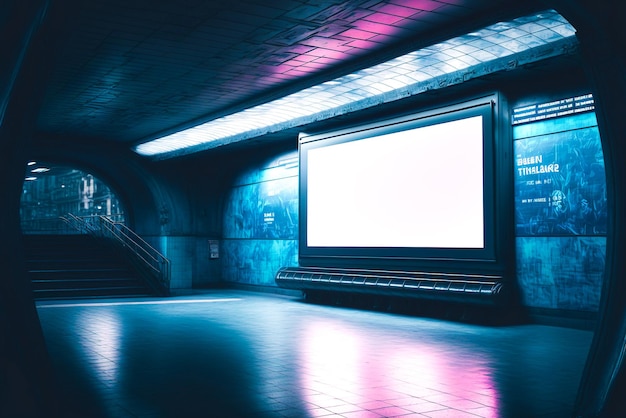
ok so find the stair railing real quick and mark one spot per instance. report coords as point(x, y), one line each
point(79, 224)
point(142, 254)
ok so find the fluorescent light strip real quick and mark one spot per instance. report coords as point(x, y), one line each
point(406, 75)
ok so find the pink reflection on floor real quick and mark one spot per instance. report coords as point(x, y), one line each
point(350, 373)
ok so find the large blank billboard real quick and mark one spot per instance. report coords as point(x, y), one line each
point(421, 187)
point(410, 188)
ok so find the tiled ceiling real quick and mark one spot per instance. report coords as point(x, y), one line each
point(130, 70)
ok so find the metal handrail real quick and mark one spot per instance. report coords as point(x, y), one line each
point(146, 256)
point(77, 223)
point(157, 263)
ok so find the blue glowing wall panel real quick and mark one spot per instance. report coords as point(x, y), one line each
point(560, 212)
point(561, 272)
point(255, 262)
point(241, 212)
point(277, 210)
point(265, 209)
point(560, 184)
point(261, 222)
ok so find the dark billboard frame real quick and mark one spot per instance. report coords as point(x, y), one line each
point(496, 202)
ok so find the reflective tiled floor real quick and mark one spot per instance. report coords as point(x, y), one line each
point(244, 354)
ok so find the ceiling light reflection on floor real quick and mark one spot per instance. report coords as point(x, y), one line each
point(100, 338)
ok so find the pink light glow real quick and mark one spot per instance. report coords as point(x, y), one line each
point(318, 41)
point(377, 28)
point(299, 60)
point(367, 372)
point(300, 71)
point(427, 5)
point(324, 60)
point(314, 64)
point(336, 42)
point(358, 34)
point(364, 44)
point(328, 53)
point(384, 18)
point(401, 11)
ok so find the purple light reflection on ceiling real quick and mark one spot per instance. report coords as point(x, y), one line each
point(322, 49)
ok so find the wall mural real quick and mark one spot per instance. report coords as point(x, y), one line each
point(560, 185)
point(267, 210)
point(240, 213)
point(561, 272)
point(261, 223)
point(256, 262)
point(560, 213)
point(277, 210)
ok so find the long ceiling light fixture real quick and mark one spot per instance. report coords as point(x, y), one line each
point(499, 47)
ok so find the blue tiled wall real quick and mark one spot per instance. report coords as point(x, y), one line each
point(261, 222)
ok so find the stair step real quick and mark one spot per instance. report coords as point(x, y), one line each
point(66, 267)
point(86, 281)
point(102, 269)
point(102, 272)
point(72, 293)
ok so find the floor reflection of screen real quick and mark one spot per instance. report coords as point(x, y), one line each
point(420, 188)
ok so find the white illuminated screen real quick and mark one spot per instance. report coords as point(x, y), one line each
point(417, 188)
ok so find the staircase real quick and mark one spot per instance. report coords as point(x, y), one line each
point(79, 266)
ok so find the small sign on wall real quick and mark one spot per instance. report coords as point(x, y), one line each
point(214, 248)
point(553, 109)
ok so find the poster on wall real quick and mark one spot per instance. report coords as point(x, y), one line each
point(277, 210)
point(560, 184)
point(214, 249)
